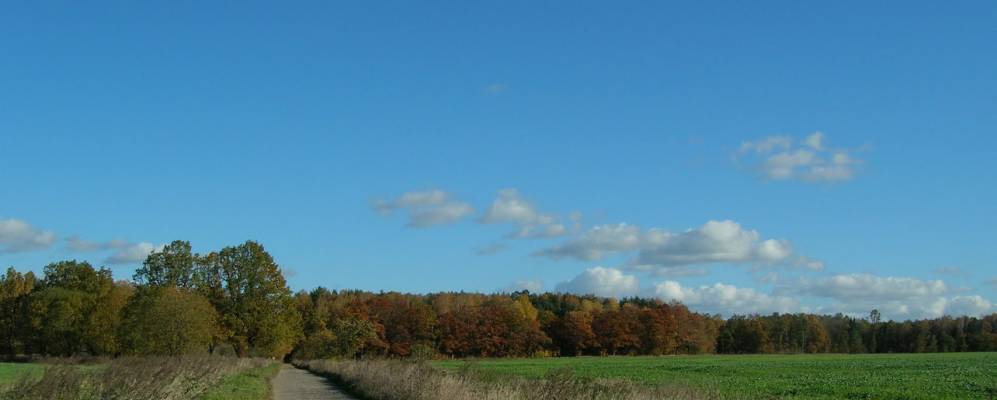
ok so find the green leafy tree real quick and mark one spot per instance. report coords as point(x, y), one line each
point(14, 290)
point(167, 321)
point(255, 305)
point(75, 311)
point(57, 318)
point(173, 266)
point(103, 322)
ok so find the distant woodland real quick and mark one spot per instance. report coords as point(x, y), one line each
point(235, 301)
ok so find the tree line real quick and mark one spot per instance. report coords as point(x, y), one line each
point(236, 301)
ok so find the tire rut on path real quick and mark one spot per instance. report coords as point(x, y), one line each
point(298, 384)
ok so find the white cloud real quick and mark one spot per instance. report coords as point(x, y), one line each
point(132, 253)
point(75, 243)
point(916, 308)
point(973, 306)
point(426, 208)
point(663, 252)
point(533, 286)
point(868, 287)
point(124, 252)
point(715, 241)
point(546, 231)
point(674, 271)
point(597, 242)
point(787, 165)
point(17, 236)
point(767, 145)
point(895, 297)
point(781, 158)
point(511, 208)
point(815, 141)
point(604, 282)
point(725, 299)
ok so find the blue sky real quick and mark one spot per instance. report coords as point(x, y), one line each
point(321, 129)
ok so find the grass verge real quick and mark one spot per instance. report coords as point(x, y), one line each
point(252, 384)
point(11, 372)
point(134, 378)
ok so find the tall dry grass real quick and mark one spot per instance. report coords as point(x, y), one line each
point(133, 378)
point(401, 380)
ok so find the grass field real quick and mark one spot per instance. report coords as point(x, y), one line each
point(9, 372)
point(879, 376)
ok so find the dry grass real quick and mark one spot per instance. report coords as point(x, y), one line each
point(399, 380)
point(146, 378)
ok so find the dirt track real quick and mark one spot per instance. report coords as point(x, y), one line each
point(297, 384)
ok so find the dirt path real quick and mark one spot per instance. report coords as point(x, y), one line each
point(297, 384)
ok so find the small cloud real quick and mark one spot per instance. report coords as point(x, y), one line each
point(489, 249)
point(124, 252)
point(991, 282)
point(767, 145)
point(132, 253)
point(597, 243)
point(511, 208)
point(495, 88)
point(603, 282)
point(19, 236)
point(815, 141)
point(782, 158)
point(426, 208)
point(75, 243)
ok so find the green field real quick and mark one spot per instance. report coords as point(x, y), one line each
point(11, 371)
point(878, 376)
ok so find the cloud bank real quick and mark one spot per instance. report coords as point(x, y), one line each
point(897, 298)
point(725, 299)
point(667, 252)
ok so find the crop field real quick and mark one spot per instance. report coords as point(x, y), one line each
point(878, 376)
